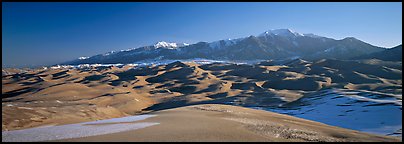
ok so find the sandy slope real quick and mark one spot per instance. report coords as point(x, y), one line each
point(212, 122)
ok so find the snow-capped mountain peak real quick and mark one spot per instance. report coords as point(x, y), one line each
point(169, 45)
point(165, 44)
point(281, 32)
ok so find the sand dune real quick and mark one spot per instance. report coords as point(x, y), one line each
point(38, 97)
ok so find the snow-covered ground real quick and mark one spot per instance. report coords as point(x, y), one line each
point(85, 129)
point(358, 110)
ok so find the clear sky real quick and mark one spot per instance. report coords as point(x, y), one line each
point(48, 33)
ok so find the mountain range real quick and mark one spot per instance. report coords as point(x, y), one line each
point(278, 44)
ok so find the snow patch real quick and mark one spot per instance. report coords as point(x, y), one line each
point(357, 110)
point(83, 58)
point(77, 130)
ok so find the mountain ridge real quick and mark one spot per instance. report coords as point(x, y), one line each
point(272, 44)
point(391, 54)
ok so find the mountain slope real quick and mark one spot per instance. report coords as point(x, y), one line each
point(393, 54)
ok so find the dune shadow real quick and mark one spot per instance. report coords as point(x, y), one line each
point(16, 92)
point(165, 85)
point(22, 76)
point(250, 72)
point(137, 87)
point(218, 95)
point(60, 75)
point(244, 99)
point(210, 88)
point(181, 75)
point(91, 78)
point(246, 86)
point(131, 74)
point(38, 80)
point(184, 89)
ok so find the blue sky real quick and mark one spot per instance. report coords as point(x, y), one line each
point(48, 33)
